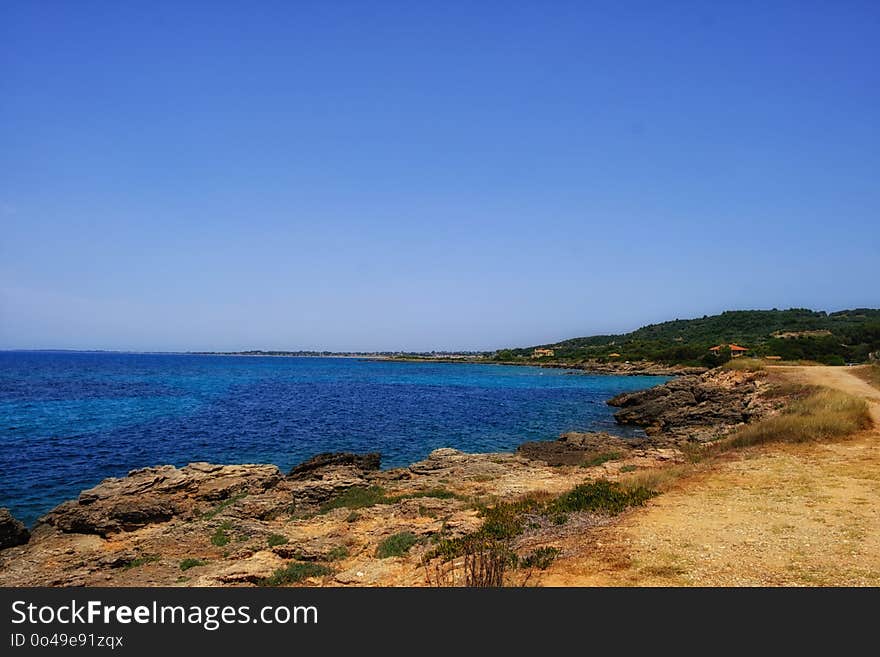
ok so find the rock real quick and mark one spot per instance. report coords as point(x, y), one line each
point(574, 448)
point(250, 570)
point(695, 406)
point(314, 465)
point(153, 495)
point(326, 484)
point(12, 531)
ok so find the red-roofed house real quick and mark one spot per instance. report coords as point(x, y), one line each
point(735, 350)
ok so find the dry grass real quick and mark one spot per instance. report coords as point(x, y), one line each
point(656, 479)
point(745, 365)
point(869, 373)
point(822, 415)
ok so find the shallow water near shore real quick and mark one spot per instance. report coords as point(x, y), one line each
point(68, 420)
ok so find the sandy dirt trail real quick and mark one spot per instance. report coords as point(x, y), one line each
point(799, 515)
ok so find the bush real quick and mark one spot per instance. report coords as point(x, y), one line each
point(602, 496)
point(396, 545)
point(189, 562)
point(276, 539)
point(294, 572)
point(540, 558)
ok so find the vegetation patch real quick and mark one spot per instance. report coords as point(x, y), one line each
point(601, 496)
point(600, 458)
point(360, 497)
point(338, 553)
point(437, 493)
point(357, 497)
point(189, 562)
point(294, 572)
point(540, 558)
point(220, 537)
point(396, 545)
point(140, 561)
point(871, 374)
point(745, 365)
point(822, 415)
point(276, 539)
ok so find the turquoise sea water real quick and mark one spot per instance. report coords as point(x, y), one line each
point(68, 420)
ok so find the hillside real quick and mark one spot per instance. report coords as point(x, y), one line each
point(797, 333)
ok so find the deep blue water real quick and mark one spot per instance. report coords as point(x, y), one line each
point(68, 420)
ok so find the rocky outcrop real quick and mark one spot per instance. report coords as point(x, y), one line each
point(634, 368)
point(235, 525)
point(308, 469)
point(693, 407)
point(153, 495)
point(12, 531)
point(576, 448)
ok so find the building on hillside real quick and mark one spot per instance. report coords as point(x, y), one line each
point(735, 350)
point(541, 353)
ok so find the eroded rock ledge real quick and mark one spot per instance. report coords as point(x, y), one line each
point(697, 408)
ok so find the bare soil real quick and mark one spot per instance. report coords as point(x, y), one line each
point(782, 515)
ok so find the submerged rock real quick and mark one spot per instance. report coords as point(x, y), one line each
point(12, 531)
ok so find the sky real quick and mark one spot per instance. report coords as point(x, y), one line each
point(399, 175)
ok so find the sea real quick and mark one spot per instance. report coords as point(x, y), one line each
point(70, 419)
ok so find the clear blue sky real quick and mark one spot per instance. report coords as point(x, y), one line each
point(378, 175)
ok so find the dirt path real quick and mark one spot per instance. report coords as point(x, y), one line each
point(805, 514)
point(839, 378)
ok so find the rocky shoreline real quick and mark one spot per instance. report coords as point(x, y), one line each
point(229, 525)
point(624, 368)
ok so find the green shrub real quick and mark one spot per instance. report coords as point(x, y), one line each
point(396, 545)
point(276, 539)
point(295, 571)
point(629, 468)
point(357, 497)
point(140, 561)
point(338, 553)
point(600, 495)
point(189, 562)
point(600, 458)
point(540, 558)
point(220, 537)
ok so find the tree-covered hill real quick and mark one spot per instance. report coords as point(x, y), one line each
point(797, 333)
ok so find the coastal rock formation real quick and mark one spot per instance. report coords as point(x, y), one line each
point(308, 468)
point(692, 407)
point(216, 525)
point(153, 495)
point(12, 531)
point(634, 368)
point(576, 448)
